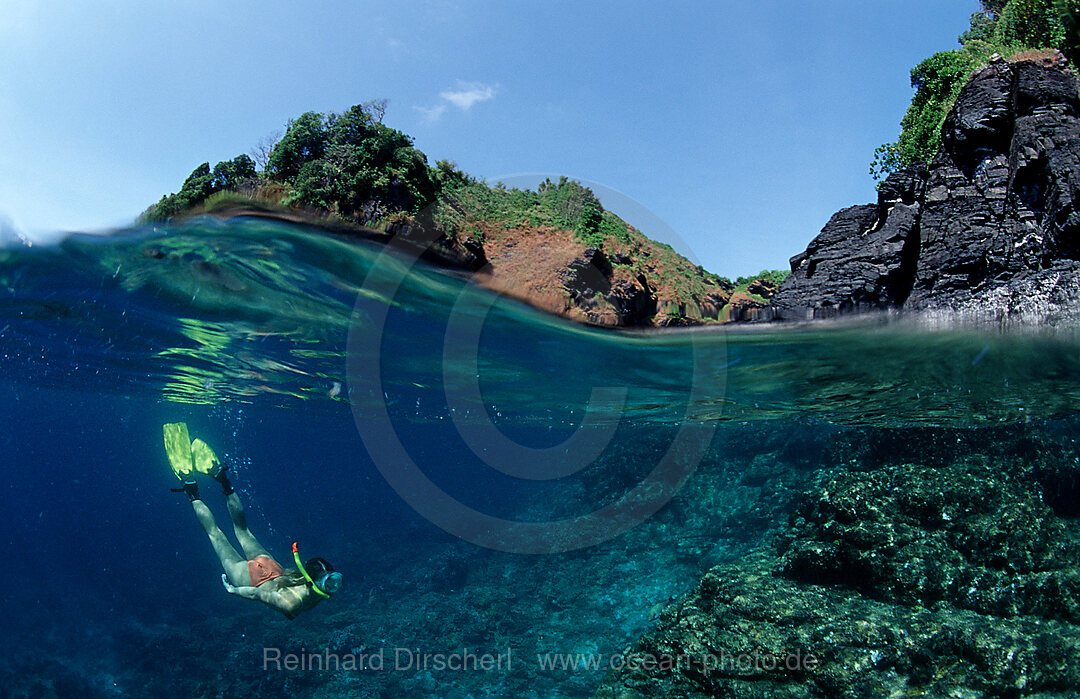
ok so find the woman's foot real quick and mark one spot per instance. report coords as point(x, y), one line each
point(223, 478)
point(190, 488)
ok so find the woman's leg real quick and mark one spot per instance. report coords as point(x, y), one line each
point(248, 542)
point(235, 567)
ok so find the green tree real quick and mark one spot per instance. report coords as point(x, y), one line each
point(1034, 23)
point(1005, 27)
point(1070, 20)
point(304, 141)
point(352, 164)
point(576, 208)
point(197, 187)
point(200, 184)
point(982, 28)
point(229, 174)
point(447, 176)
point(937, 81)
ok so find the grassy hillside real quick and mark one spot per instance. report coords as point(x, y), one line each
point(352, 169)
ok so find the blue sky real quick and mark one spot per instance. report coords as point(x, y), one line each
point(742, 126)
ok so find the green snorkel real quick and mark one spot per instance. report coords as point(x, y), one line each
point(300, 567)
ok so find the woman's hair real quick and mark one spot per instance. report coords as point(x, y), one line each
point(317, 566)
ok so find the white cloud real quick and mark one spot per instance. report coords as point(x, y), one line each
point(431, 113)
point(464, 97)
point(468, 94)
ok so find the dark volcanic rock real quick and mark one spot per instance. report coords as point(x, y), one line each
point(588, 280)
point(744, 308)
point(714, 302)
point(751, 305)
point(989, 231)
point(857, 263)
point(764, 288)
point(433, 245)
point(588, 274)
point(634, 303)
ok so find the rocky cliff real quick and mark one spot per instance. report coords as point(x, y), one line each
point(988, 231)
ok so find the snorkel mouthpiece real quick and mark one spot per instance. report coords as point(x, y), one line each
point(314, 586)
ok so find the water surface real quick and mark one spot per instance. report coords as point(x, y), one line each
point(272, 341)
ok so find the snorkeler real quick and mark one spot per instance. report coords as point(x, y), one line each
point(256, 575)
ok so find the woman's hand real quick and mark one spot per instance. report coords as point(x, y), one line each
point(231, 589)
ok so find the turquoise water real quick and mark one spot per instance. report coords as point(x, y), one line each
point(485, 476)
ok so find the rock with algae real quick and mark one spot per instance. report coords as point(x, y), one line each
point(909, 580)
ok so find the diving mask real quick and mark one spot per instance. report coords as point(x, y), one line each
point(330, 582)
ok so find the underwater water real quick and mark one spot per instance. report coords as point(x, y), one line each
point(488, 479)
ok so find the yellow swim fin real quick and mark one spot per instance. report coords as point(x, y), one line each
point(178, 448)
point(204, 458)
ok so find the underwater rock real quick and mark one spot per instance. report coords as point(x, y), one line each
point(950, 580)
point(746, 632)
point(967, 536)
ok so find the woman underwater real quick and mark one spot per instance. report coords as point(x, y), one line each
point(255, 575)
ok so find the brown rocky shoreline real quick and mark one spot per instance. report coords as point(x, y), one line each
point(550, 269)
